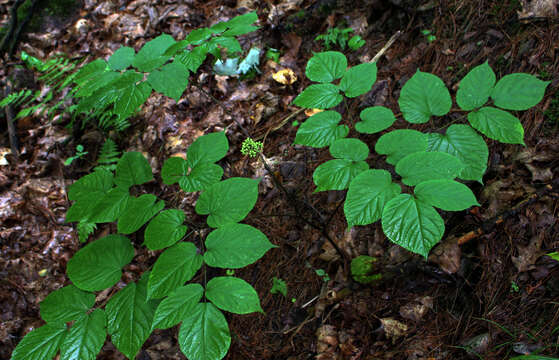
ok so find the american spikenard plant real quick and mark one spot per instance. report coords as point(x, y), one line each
point(160, 299)
point(429, 163)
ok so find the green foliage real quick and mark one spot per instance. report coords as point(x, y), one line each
point(339, 36)
point(278, 286)
point(251, 148)
point(161, 298)
point(79, 154)
point(108, 156)
point(430, 162)
point(362, 268)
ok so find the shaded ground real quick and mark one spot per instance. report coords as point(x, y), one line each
point(496, 294)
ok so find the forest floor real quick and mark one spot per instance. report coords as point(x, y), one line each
point(494, 296)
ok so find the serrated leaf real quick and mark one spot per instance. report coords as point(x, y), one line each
point(41, 343)
point(412, 224)
point(321, 130)
point(174, 308)
point(97, 81)
point(230, 43)
point(170, 80)
point(122, 58)
point(193, 59)
point(375, 119)
point(359, 79)
point(498, 125)
point(84, 230)
point(204, 333)
point(99, 264)
point(207, 148)
point(476, 87)
point(235, 246)
point(233, 294)
point(129, 317)
point(240, 30)
point(131, 98)
point(447, 195)
point(85, 338)
point(151, 55)
point(98, 181)
point(319, 96)
point(397, 144)
point(325, 67)
point(132, 169)
point(467, 145)
point(198, 178)
point(110, 206)
point(165, 229)
point(66, 304)
point(90, 72)
point(337, 174)
point(350, 149)
point(138, 211)
point(198, 36)
point(173, 268)
point(422, 96)
point(228, 201)
point(518, 91)
point(236, 22)
point(367, 195)
point(423, 166)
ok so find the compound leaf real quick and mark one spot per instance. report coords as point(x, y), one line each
point(375, 119)
point(207, 148)
point(350, 149)
point(132, 169)
point(171, 80)
point(467, 145)
point(122, 58)
point(422, 96)
point(165, 229)
point(337, 174)
point(235, 246)
point(359, 79)
point(476, 87)
point(204, 333)
point(174, 308)
point(151, 55)
point(518, 91)
point(99, 264)
point(173, 268)
point(233, 294)
point(138, 211)
point(423, 166)
point(319, 96)
point(448, 195)
point(325, 67)
point(397, 144)
point(41, 343)
point(412, 224)
point(498, 125)
point(85, 338)
point(367, 195)
point(228, 201)
point(66, 304)
point(321, 130)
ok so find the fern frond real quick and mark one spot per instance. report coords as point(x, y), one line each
point(85, 229)
point(108, 156)
point(16, 98)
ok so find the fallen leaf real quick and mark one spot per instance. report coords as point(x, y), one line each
point(285, 76)
point(311, 112)
point(537, 9)
point(393, 329)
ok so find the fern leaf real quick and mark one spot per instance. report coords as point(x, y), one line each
point(85, 229)
point(108, 156)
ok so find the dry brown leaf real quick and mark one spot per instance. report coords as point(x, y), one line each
point(393, 329)
point(538, 9)
point(311, 112)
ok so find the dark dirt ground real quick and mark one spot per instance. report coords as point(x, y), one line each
point(495, 294)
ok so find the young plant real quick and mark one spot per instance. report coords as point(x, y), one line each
point(428, 163)
point(161, 298)
point(79, 153)
point(340, 37)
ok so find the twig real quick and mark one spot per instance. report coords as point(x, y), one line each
point(387, 45)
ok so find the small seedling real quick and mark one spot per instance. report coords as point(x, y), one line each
point(336, 37)
point(323, 274)
point(514, 287)
point(355, 42)
point(251, 148)
point(428, 35)
point(278, 286)
point(79, 154)
point(273, 54)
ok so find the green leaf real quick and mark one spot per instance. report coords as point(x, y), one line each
point(397, 144)
point(337, 174)
point(533, 357)
point(240, 21)
point(41, 343)
point(173, 268)
point(85, 338)
point(367, 195)
point(321, 130)
point(375, 119)
point(518, 91)
point(235, 246)
point(122, 58)
point(198, 178)
point(554, 255)
point(174, 308)
point(423, 166)
point(325, 67)
point(240, 30)
point(165, 229)
point(476, 87)
point(66, 304)
point(198, 36)
point(228, 201)
point(176, 48)
point(90, 72)
point(233, 294)
point(278, 286)
point(151, 55)
point(96, 81)
point(84, 230)
point(132, 169)
point(319, 96)
point(230, 43)
point(193, 59)
point(110, 206)
point(138, 211)
point(350, 149)
point(171, 80)
point(129, 317)
point(82, 210)
point(498, 125)
point(100, 181)
point(359, 79)
point(207, 148)
point(204, 333)
point(412, 224)
point(422, 96)
point(131, 98)
point(99, 264)
point(447, 195)
point(467, 145)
